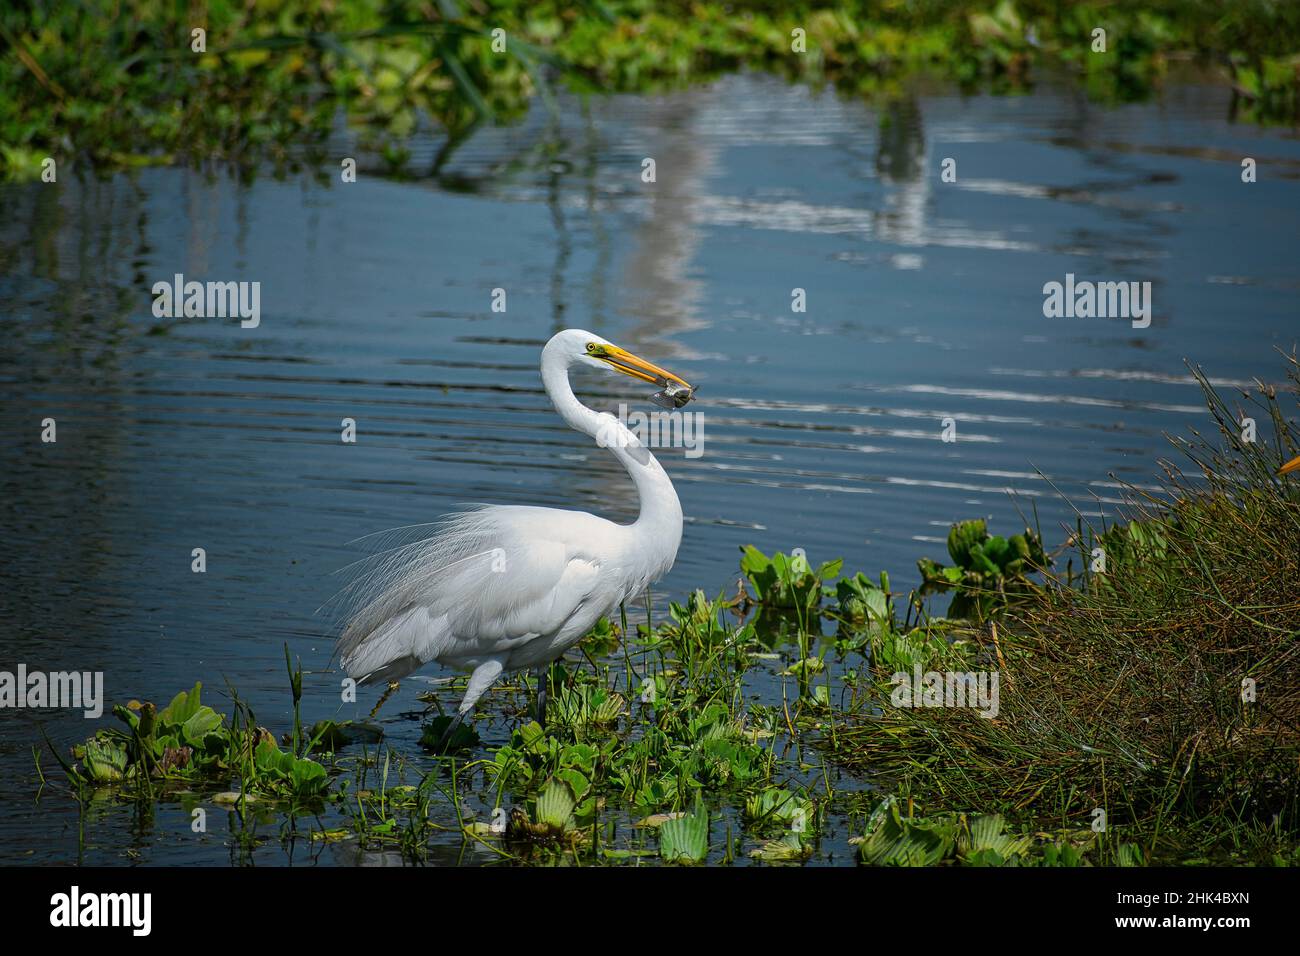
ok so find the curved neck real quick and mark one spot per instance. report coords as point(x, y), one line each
point(661, 511)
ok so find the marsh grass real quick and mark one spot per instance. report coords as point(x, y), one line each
point(1124, 690)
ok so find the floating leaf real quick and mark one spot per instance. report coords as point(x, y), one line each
point(658, 819)
point(105, 761)
point(785, 850)
point(986, 833)
point(232, 797)
point(685, 839)
point(900, 842)
point(555, 806)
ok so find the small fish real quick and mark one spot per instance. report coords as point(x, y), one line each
point(673, 395)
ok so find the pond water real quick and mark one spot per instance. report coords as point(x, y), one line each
point(823, 428)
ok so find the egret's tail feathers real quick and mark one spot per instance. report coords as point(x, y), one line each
point(393, 670)
point(416, 585)
point(485, 584)
point(400, 646)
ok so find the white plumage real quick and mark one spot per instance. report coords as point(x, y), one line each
point(502, 588)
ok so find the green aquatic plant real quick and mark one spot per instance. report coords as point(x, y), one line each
point(1061, 854)
point(586, 708)
point(924, 647)
point(185, 738)
point(603, 639)
point(687, 735)
point(550, 818)
point(696, 625)
point(701, 649)
point(280, 771)
point(776, 806)
point(787, 581)
point(895, 840)
point(1126, 546)
point(189, 743)
point(555, 806)
point(185, 734)
point(987, 570)
point(532, 755)
point(863, 605)
point(104, 760)
point(685, 838)
point(790, 848)
point(983, 841)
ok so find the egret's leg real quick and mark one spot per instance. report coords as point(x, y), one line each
point(451, 729)
point(479, 681)
point(543, 679)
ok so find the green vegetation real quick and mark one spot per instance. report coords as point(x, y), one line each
point(116, 86)
point(988, 571)
point(1160, 690)
point(1148, 711)
point(188, 743)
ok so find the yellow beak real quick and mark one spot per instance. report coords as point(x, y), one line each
point(1290, 466)
point(629, 364)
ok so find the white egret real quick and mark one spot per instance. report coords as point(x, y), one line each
point(506, 587)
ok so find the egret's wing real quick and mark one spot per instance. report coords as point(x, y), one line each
point(489, 581)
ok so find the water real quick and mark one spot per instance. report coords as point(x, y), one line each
point(822, 428)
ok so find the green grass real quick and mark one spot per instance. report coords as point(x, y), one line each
point(1124, 691)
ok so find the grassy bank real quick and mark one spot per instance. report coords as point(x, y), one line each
point(1162, 689)
point(1146, 709)
point(113, 85)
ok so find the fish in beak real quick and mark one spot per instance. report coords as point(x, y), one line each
point(675, 393)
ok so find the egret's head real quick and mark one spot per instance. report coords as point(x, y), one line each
point(593, 350)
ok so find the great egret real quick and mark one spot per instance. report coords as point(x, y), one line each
point(507, 587)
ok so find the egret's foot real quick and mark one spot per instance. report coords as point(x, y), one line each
point(452, 726)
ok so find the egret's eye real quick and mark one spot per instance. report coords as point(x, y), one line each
point(593, 348)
